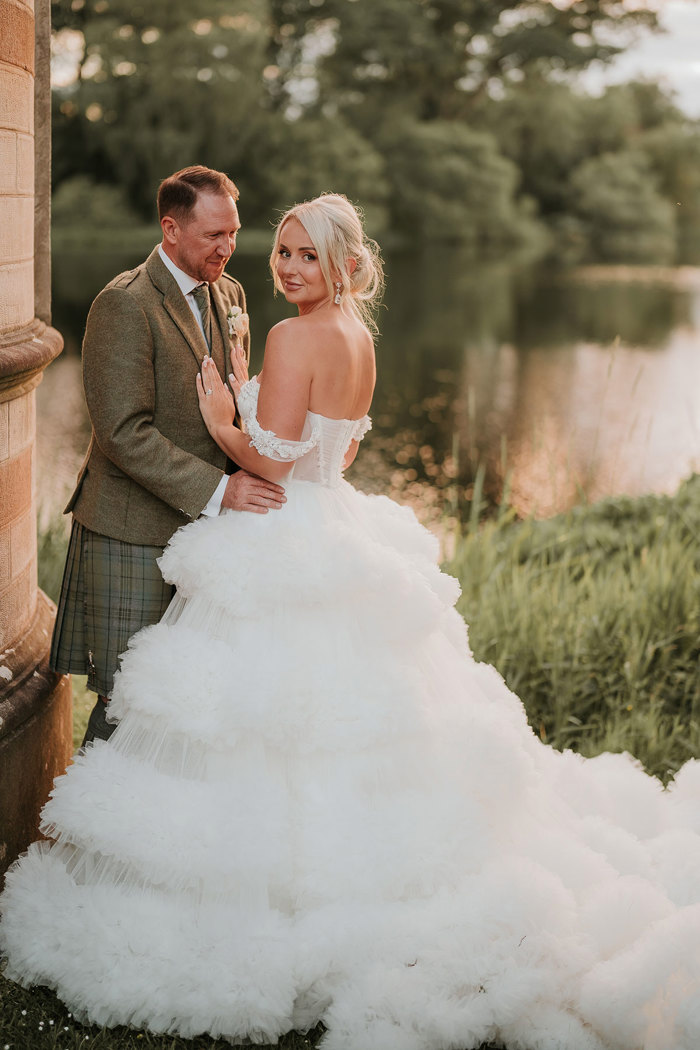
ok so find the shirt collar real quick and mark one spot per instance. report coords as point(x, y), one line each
point(185, 283)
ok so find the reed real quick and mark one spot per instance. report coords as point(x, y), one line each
point(593, 619)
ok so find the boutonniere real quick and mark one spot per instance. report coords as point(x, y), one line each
point(238, 323)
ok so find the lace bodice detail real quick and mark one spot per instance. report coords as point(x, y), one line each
point(319, 455)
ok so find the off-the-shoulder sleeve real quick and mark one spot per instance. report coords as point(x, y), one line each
point(361, 428)
point(266, 442)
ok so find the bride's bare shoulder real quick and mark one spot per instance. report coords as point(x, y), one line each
point(287, 350)
point(318, 337)
point(288, 334)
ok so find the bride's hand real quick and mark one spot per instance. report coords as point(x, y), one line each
point(215, 401)
point(239, 376)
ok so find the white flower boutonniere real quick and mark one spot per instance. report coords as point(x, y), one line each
point(238, 323)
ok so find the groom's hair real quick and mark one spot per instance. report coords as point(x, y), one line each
point(177, 195)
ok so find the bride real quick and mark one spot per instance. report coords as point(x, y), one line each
point(316, 805)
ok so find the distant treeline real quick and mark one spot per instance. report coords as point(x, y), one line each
point(445, 119)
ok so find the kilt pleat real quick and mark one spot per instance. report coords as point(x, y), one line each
point(110, 590)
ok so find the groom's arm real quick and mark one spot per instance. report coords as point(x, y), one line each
point(119, 381)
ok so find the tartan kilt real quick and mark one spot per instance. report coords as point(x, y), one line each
point(110, 590)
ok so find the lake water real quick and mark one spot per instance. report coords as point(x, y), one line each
point(566, 386)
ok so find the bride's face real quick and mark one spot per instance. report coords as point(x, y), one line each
point(298, 269)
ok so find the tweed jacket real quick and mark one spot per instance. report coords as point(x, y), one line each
point(151, 465)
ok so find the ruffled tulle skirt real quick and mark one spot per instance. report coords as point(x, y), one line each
point(318, 806)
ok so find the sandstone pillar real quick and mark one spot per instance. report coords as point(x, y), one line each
point(35, 704)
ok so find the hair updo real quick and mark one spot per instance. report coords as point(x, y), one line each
point(336, 231)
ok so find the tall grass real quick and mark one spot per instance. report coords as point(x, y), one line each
point(52, 544)
point(593, 618)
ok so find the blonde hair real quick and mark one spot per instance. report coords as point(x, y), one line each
point(336, 231)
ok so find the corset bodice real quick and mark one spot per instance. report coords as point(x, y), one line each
point(323, 463)
point(318, 456)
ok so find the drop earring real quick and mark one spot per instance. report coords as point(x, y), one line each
point(338, 286)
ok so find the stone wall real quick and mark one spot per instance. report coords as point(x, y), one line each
point(35, 705)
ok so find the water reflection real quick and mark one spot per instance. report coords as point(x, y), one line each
point(568, 386)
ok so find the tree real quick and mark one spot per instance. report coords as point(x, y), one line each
point(293, 161)
point(674, 154)
point(449, 119)
point(450, 182)
point(432, 58)
point(162, 84)
point(624, 215)
point(420, 79)
point(541, 127)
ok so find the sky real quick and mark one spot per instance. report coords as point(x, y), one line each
point(672, 57)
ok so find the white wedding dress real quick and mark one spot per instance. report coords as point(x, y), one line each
point(318, 806)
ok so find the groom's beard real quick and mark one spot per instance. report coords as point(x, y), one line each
point(209, 269)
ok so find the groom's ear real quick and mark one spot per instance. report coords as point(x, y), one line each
point(170, 229)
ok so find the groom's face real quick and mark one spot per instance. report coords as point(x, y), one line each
point(204, 242)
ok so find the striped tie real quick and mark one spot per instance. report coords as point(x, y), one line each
point(201, 297)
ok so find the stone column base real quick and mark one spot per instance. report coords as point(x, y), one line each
point(35, 732)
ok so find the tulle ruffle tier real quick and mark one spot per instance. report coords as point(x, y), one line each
point(317, 806)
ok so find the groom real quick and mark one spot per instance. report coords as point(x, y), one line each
point(151, 465)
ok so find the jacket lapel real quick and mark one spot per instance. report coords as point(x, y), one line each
point(176, 305)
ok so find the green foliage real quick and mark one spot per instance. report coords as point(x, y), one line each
point(429, 61)
point(673, 150)
point(623, 215)
point(52, 544)
point(607, 172)
point(163, 85)
point(593, 618)
point(80, 201)
point(296, 160)
point(469, 195)
point(541, 127)
point(449, 119)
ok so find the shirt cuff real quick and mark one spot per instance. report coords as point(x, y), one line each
point(214, 505)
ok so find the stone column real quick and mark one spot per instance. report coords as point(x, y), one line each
point(35, 704)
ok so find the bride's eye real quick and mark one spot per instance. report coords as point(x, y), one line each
point(284, 252)
point(309, 257)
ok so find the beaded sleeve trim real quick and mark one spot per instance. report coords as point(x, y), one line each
point(361, 428)
point(266, 442)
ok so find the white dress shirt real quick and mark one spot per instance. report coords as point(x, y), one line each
point(187, 285)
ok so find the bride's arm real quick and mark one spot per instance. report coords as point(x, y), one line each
point(350, 454)
point(282, 405)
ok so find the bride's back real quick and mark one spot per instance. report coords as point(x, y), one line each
point(339, 353)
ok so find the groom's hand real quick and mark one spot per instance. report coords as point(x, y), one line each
point(246, 491)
